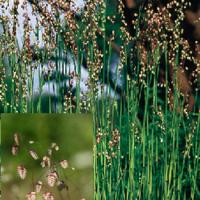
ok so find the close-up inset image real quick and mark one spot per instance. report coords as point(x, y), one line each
point(46, 157)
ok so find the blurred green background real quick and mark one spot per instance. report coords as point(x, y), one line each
point(73, 135)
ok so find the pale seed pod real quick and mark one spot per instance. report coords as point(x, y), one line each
point(49, 152)
point(38, 186)
point(47, 196)
point(52, 178)
point(53, 145)
point(22, 171)
point(33, 154)
point(15, 150)
point(56, 147)
point(46, 162)
point(31, 196)
point(64, 164)
point(16, 139)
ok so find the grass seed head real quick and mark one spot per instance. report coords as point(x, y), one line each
point(52, 178)
point(47, 196)
point(38, 186)
point(16, 138)
point(33, 154)
point(64, 164)
point(46, 162)
point(15, 150)
point(31, 196)
point(22, 171)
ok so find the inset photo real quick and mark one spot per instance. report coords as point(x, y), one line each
point(46, 157)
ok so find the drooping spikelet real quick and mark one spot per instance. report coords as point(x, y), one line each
point(15, 150)
point(38, 186)
point(33, 154)
point(16, 139)
point(22, 171)
point(64, 164)
point(47, 196)
point(31, 196)
point(46, 162)
point(52, 177)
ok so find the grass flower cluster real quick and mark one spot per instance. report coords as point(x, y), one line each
point(52, 171)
